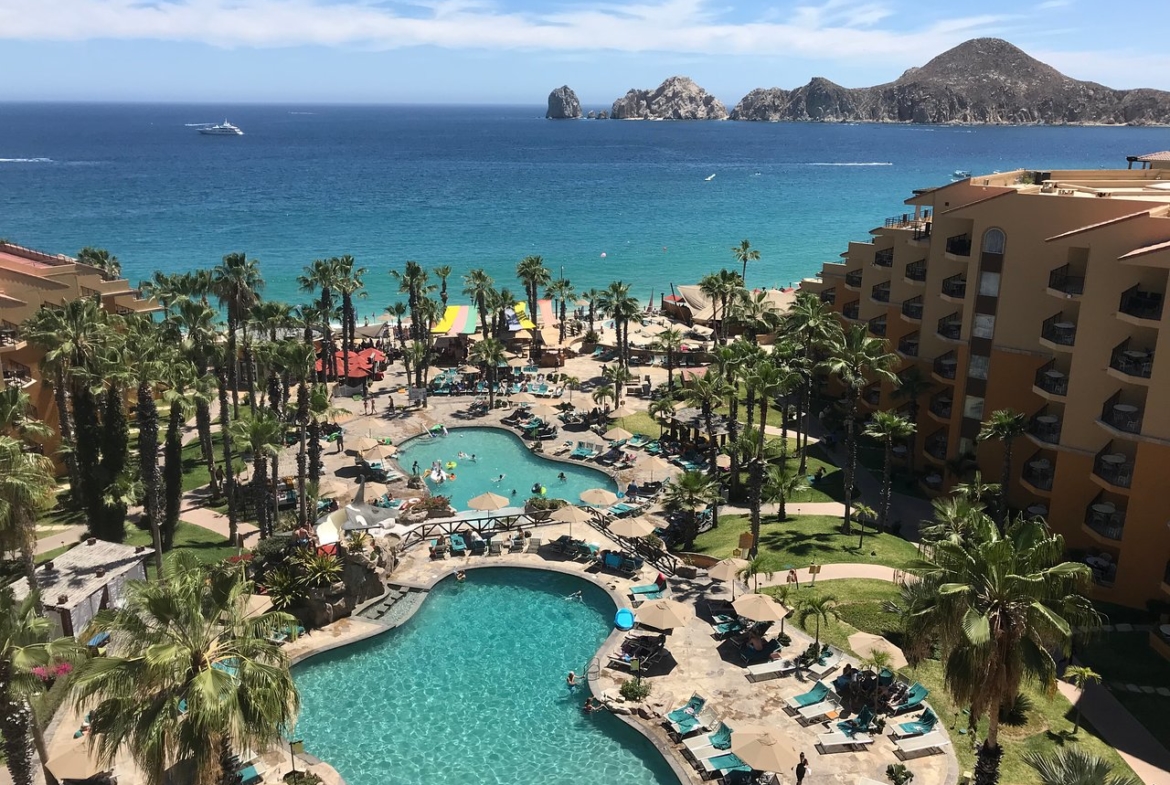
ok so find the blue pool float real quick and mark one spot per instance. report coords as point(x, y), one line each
point(624, 619)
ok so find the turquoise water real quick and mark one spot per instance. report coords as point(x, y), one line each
point(498, 452)
point(471, 691)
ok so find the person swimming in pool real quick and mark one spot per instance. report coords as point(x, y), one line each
point(500, 478)
point(463, 456)
point(535, 489)
point(571, 680)
point(562, 477)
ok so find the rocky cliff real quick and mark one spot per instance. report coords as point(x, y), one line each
point(678, 98)
point(563, 104)
point(985, 80)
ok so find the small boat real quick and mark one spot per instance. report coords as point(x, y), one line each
point(960, 174)
point(709, 179)
point(222, 129)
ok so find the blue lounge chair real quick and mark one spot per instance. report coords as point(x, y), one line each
point(250, 775)
point(913, 700)
point(648, 588)
point(858, 724)
point(458, 546)
point(725, 763)
point(727, 628)
point(692, 707)
point(919, 727)
point(719, 740)
point(814, 696)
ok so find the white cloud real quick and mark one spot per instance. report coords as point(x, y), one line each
point(1049, 5)
point(834, 29)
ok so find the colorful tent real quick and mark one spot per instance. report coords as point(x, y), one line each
point(458, 320)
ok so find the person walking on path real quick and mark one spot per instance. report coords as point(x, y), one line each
point(801, 769)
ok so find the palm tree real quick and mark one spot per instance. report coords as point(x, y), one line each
point(322, 274)
point(221, 361)
point(1004, 425)
point(780, 485)
point(1073, 765)
point(571, 383)
point(413, 282)
point(321, 410)
point(103, 260)
point(854, 357)
point(617, 376)
point(706, 392)
point(912, 385)
point(561, 291)
point(488, 354)
point(617, 303)
point(443, 272)
point(759, 565)
point(27, 486)
point(197, 340)
point(24, 644)
point(480, 287)
point(592, 297)
point(744, 253)
point(821, 607)
point(720, 288)
point(1081, 676)
point(662, 411)
point(236, 283)
point(1002, 606)
point(864, 514)
point(955, 519)
point(148, 365)
point(810, 326)
point(533, 274)
point(190, 677)
point(349, 283)
point(669, 342)
point(180, 376)
point(975, 491)
point(690, 492)
point(603, 394)
point(17, 418)
point(887, 428)
point(263, 435)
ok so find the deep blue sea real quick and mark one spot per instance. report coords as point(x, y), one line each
point(483, 186)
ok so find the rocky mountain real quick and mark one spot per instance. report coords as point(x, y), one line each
point(678, 98)
point(563, 104)
point(984, 80)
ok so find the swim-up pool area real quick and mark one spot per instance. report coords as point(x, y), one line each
point(497, 452)
point(472, 691)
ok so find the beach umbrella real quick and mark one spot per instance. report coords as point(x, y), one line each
point(664, 614)
point(571, 514)
point(621, 412)
point(380, 452)
point(764, 748)
point(517, 362)
point(760, 607)
point(656, 465)
point(487, 502)
point(373, 490)
point(78, 763)
point(523, 398)
point(469, 369)
point(723, 461)
point(332, 489)
point(617, 435)
point(543, 411)
point(632, 527)
point(864, 644)
point(365, 443)
point(727, 570)
point(598, 496)
point(341, 415)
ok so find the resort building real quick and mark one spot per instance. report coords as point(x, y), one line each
point(30, 280)
point(1042, 292)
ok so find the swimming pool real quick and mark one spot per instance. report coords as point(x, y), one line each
point(497, 452)
point(472, 691)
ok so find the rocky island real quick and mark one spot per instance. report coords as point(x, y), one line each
point(984, 80)
point(563, 104)
point(678, 98)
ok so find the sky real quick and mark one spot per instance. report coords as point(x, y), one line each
point(515, 51)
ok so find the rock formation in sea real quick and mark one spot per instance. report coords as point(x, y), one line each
point(678, 98)
point(984, 80)
point(563, 104)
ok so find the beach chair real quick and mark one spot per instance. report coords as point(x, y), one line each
point(477, 547)
point(818, 711)
point(700, 721)
point(688, 710)
point(458, 545)
point(252, 773)
point(839, 739)
point(913, 700)
point(827, 664)
point(724, 763)
point(715, 742)
point(858, 724)
point(919, 727)
point(725, 629)
point(749, 655)
point(495, 548)
point(649, 588)
point(638, 441)
point(516, 545)
point(534, 544)
point(817, 694)
point(928, 742)
point(770, 670)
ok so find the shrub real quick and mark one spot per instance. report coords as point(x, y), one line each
point(591, 336)
point(284, 589)
point(302, 778)
point(539, 503)
point(635, 689)
point(1015, 712)
point(898, 774)
point(432, 503)
point(319, 571)
point(357, 542)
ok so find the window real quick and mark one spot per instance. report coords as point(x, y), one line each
point(983, 325)
point(966, 446)
point(994, 241)
point(977, 367)
point(973, 408)
point(989, 284)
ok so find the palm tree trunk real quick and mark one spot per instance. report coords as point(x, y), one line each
point(172, 475)
point(65, 426)
point(850, 454)
point(16, 730)
point(670, 373)
point(887, 482)
point(229, 470)
point(259, 501)
point(249, 368)
point(207, 444)
point(755, 486)
point(805, 405)
point(314, 451)
point(146, 413)
point(275, 460)
point(233, 377)
point(1004, 485)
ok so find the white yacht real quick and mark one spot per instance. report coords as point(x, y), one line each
point(223, 129)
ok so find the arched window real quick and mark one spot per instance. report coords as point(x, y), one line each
point(994, 241)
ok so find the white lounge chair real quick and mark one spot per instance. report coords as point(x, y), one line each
point(933, 741)
point(770, 670)
point(700, 746)
point(840, 739)
point(832, 663)
point(810, 714)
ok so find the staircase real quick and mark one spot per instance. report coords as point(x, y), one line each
point(397, 604)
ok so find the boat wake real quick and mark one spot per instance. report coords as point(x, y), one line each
point(852, 163)
point(197, 125)
point(26, 160)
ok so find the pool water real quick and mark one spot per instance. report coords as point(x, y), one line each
point(472, 691)
point(497, 452)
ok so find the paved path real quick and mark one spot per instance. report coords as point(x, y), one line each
point(70, 535)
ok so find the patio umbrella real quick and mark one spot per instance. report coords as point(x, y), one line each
point(332, 489)
point(865, 644)
point(365, 443)
point(523, 398)
point(617, 434)
point(342, 415)
point(486, 502)
point(543, 411)
point(76, 763)
point(664, 614)
point(374, 490)
point(727, 570)
point(764, 748)
point(517, 362)
point(760, 607)
point(469, 369)
point(598, 496)
point(380, 452)
point(632, 527)
point(723, 461)
point(621, 412)
point(656, 465)
point(571, 514)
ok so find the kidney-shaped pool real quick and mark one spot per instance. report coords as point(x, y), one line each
point(472, 690)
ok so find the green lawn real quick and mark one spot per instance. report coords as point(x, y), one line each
point(1127, 657)
point(207, 545)
point(805, 539)
point(195, 474)
point(1049, 722)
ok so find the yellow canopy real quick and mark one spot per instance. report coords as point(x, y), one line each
point(448, 320)
point(521, 309)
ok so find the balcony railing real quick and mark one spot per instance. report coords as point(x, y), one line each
point(1059, 330)
point(877, 326)
point(829, 296)
point(872, 395)
point(955, 286)
point(908, 345)
point(15, 373)
point(1121, 416)
point(946, 365)
point(1051, 380)
point(941, 406)
point(1141, 304)
point(1062, 280)
point(9, 336)
point(916, 271)
point(950, 327)
point(936, 446)
point(853, 278)
point(850, 310)
point(923, 232)
point(884, 258)
point(880, 292)
point(1045, 427)
point(1132, 362)
point(1039, 473)
point(959, 245)
point(1114, 468)
point(907, 220)
point(1104, 518)
point(912, 308)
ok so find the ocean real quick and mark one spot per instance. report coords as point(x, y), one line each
point(649, 203)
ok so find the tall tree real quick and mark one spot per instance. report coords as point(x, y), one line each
point(197, 339)
point(1004, 426)
point(480, 287)
point(561, 291)
point(743, 254)
point(912, 385)
point(488, 354)
point(821, 607)
point(887, 428)
point(222, 360)
point(720, 288)
point(236, 283)
point(780, 485)
point(27, 487)
point(413, 281)
point(689, 493)
point(263, 437)
point(103, 260)
point(349, 284)
point(669, 342)
point(18, 419)
point(534, 275)
point(443, 272)
point(148, 365)
point(322, 275)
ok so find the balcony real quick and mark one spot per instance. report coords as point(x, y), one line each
point(872, 395)
point(916, 271)
point(853, 279)
point(1050, 382)
point(908, 221)
point(950, 327)
point(940, 406)
point(850, 310)
point(1039, 472)
point(1058, 332)
point(884, 258)
point(1113, 470)
point(959, 246)
point(1131, 365)
point(1045, 428)
point(1104, 519)
point(936, 446)
point(946, 367)
point(1139, 305)
point(829, 296)
point(880, 293)
point(877, 326)
point(1121, 418)
point(912, 309)
point(17, 375)
point(10, 339)
point(908, 345)
point(1062, 283)
point(955, 287)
